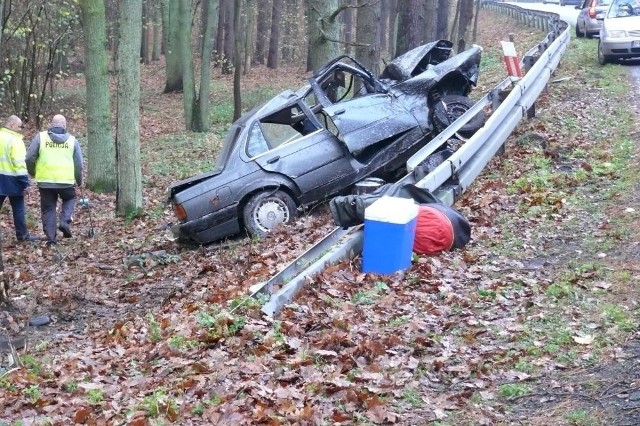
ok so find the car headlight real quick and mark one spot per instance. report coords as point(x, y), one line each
point(616, 34)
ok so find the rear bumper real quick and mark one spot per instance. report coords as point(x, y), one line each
point(211, 227)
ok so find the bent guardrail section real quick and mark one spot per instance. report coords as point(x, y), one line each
point(453, 176)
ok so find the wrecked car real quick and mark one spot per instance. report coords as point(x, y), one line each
point(303, 147)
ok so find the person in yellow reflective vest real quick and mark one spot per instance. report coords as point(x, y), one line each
point(54, 159)
point(13, 174)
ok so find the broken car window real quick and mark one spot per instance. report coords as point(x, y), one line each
point(282, 127)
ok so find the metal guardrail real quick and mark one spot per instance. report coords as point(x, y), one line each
point(453, 176)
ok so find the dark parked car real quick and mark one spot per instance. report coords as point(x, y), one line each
point(588, 25)
point(305, 146)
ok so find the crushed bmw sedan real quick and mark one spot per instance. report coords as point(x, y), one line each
point(303, 147)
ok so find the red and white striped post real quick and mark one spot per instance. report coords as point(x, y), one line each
point(511, 59)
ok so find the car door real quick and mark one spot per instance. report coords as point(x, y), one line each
point(372, 120)
point(301, 149)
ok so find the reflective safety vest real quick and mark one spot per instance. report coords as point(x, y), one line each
point(12, 153)
point(55, 160)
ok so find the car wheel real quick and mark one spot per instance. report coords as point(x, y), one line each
point(266, 210)
point(579, 33)
point(602, 58)
point(456, 105)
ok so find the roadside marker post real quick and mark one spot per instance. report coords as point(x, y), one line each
point(511, 60)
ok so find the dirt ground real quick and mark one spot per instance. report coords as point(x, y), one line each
point(536, 322)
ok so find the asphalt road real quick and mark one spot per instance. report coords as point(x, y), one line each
point(567, 13)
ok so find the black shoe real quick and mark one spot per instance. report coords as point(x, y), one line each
point(66, 231)
point(27, 237)
point(50, 244)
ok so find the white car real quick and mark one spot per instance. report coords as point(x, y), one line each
point(620, 32)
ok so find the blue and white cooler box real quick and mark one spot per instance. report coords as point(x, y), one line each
point(389, 229)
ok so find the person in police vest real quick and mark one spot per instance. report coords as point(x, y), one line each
point(13, 174)
point(54, 159)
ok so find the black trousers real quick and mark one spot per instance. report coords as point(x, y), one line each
point(48, 206)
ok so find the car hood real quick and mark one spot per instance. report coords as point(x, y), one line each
point(627, 23)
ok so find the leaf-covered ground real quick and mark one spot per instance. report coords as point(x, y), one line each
point(535, 322)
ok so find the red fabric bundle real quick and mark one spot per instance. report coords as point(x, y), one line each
point(434, 231)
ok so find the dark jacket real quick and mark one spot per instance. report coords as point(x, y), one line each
point(57, 135)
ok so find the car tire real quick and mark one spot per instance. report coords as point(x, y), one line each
point(456, 105)
point(602, 58)
point(579, 34)
point(266, 210)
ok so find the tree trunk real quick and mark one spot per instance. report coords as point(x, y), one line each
point(101, 153)
point(229, 38)
point(411, 26)
point(222, 4)
point(157, 33)
point(264, 26)
point(201, 105)
point(274, 40)
point(368, 37)
point(347, 22)
point(129, 186)
point(475, 22)
point(324, 32)
point(237, 29)
point(442, 22)
point(465, 18)
point(145, 51)
point(250, 25)
point(173, 69)
point(393, 23)
point(431, 20)
point(385, 12)
point(186, 57)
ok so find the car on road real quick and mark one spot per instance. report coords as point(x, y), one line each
point(620, 32)
point(345, 125)
point(587, 24)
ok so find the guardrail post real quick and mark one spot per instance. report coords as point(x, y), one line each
point(528, 63)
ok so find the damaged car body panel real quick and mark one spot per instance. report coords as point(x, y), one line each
point(302, 147)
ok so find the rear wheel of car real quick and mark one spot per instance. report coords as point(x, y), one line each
point(266, 210)
point(449, 108)
point(602, 58)
point(579, 33)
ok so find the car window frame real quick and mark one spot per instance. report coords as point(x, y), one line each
point(304, 109)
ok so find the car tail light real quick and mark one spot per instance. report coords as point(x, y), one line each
point(181, 214)
point(592, 12)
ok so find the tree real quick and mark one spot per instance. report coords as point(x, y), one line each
point(368, 37)
point(101, 154)
point(237, 28)
point(196, 106)
point(229, 44)
point(347, 22)
point(173, 69)
point(324, 31)
point(442, 19)
point(274, 41)
point(462, 24)
point(202, 102)
point(186, 58)
point(412, 24)
point(36, 38)
point(250, 26)
point(262, 32)
point(129, 185)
